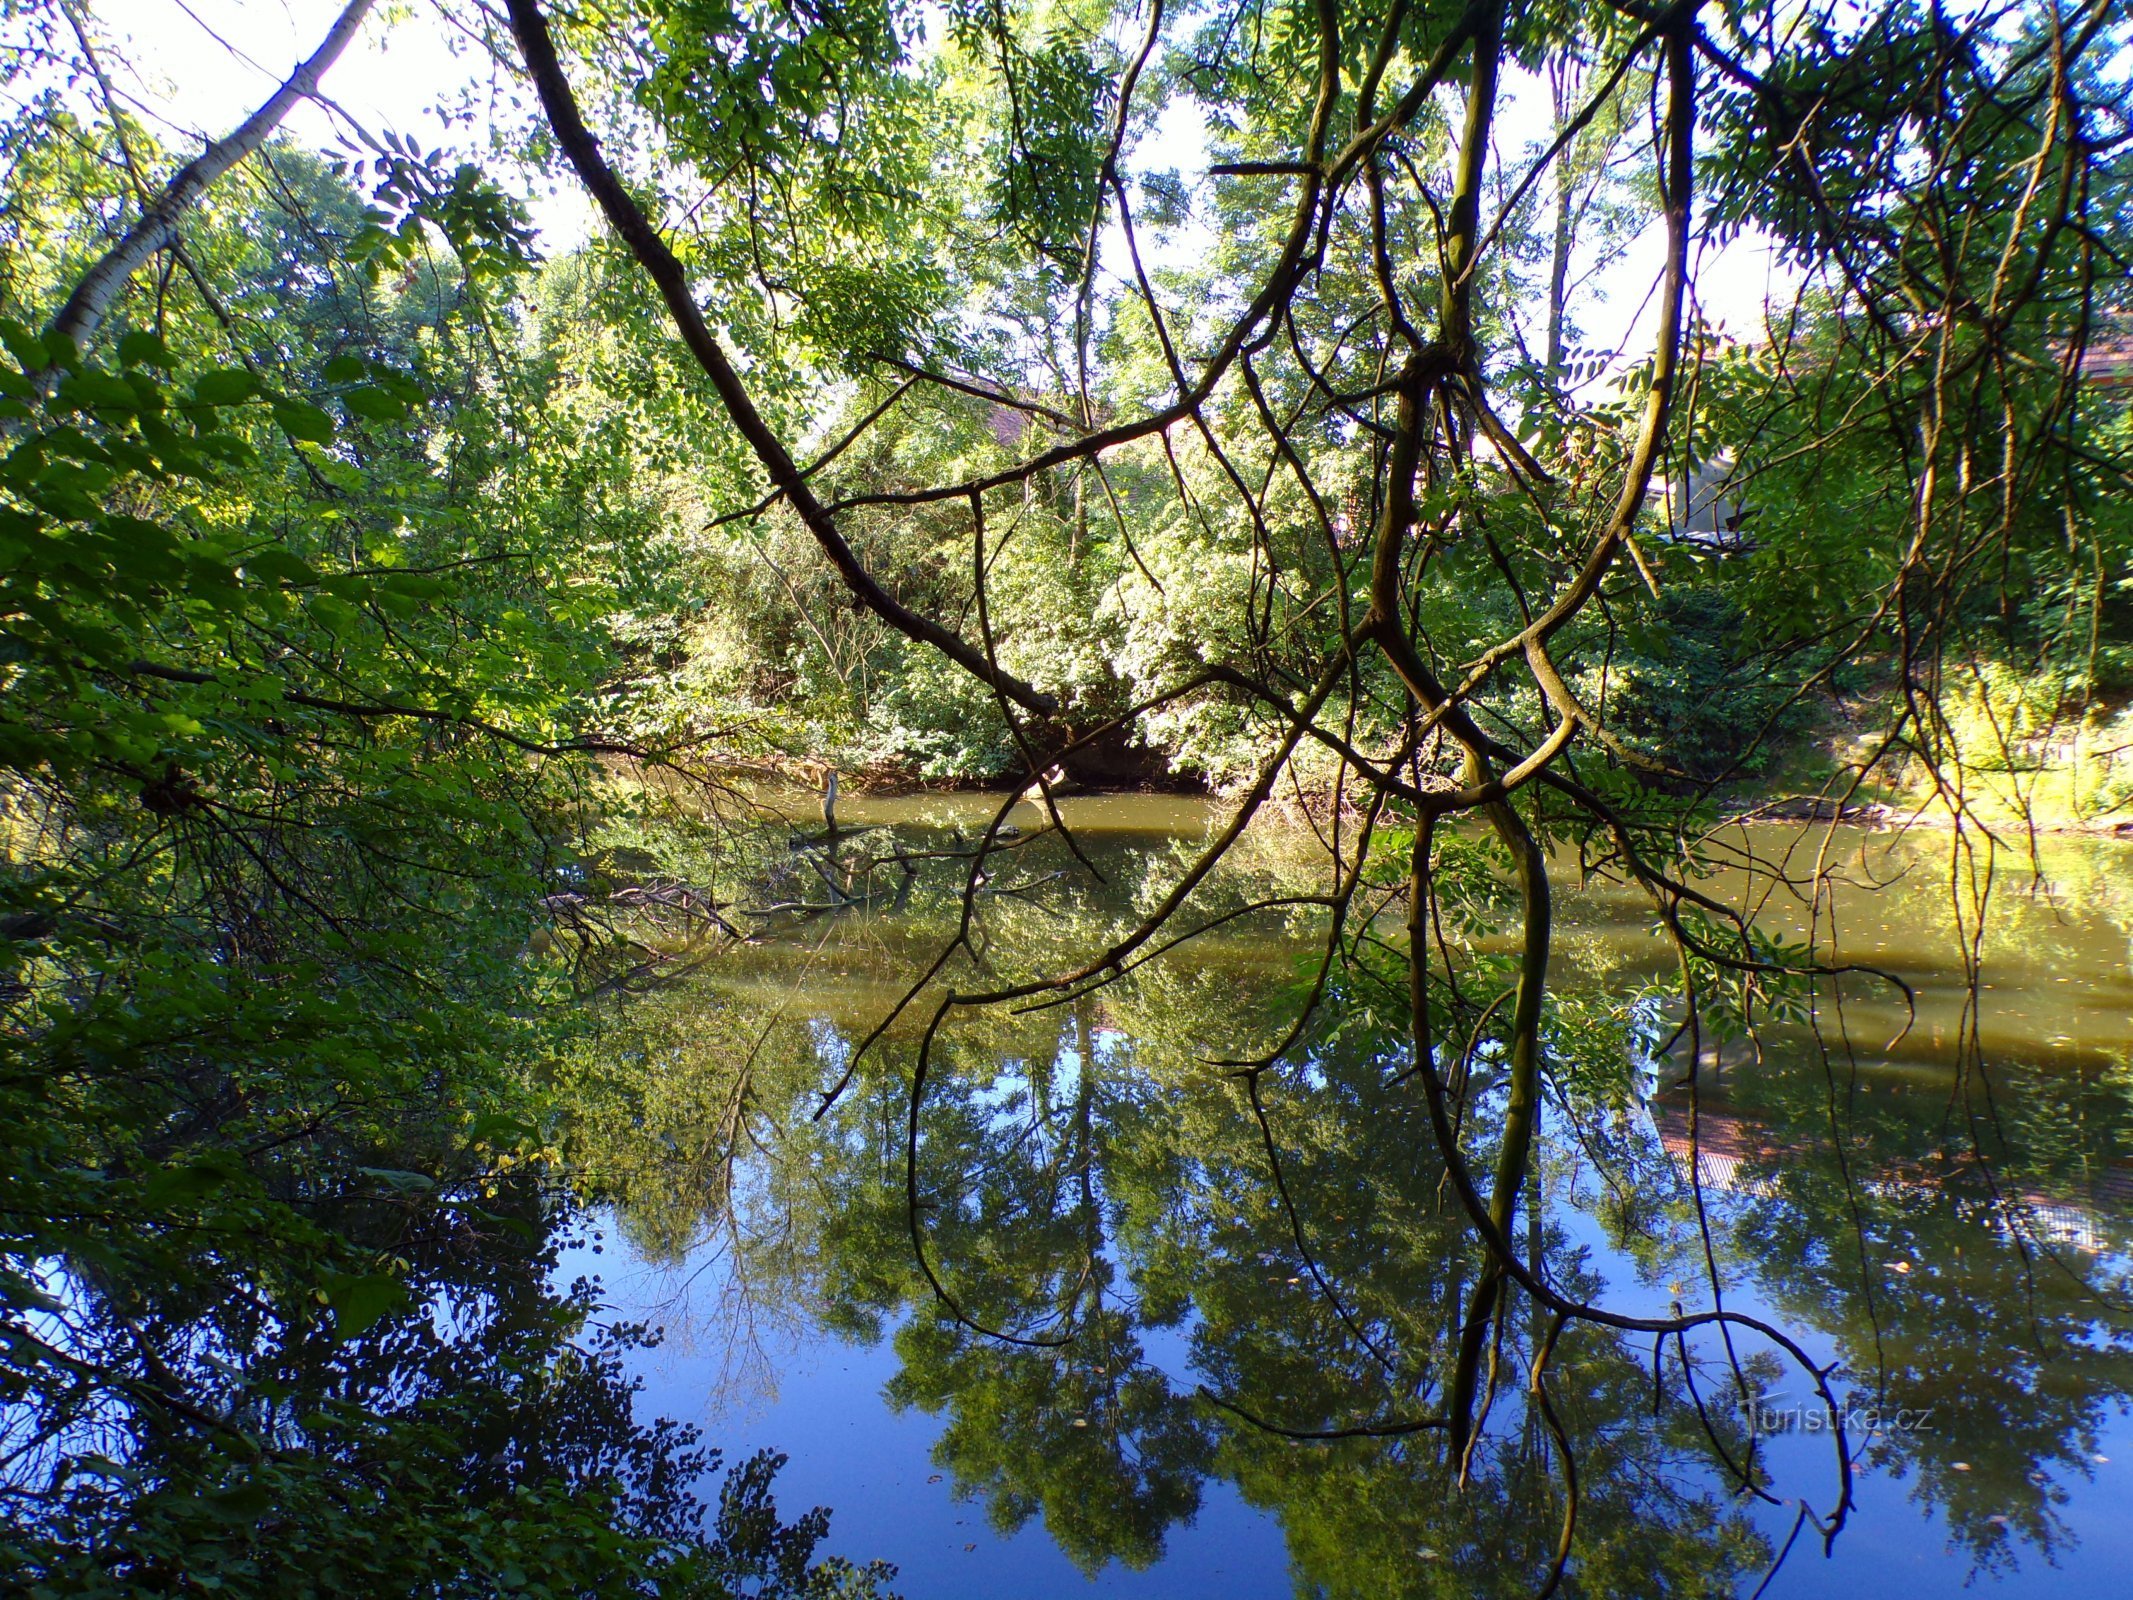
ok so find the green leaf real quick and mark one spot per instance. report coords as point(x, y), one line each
point(300, 419)
point(225, 386)
point(141, 348)
point(401, 1182)
point(24, 346)
point(100, 390)
point(177, 1185)
point(375, 404)
point(360, 1299)
point(279, 564)
point(499, 1128)
point(246, 1503)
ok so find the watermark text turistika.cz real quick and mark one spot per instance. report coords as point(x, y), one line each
point(1770, 1414)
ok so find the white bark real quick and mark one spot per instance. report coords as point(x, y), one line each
point(157, 228)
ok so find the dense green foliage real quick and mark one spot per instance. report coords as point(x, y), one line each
point(1117, 576)
point(307, 611)
point(360, 567)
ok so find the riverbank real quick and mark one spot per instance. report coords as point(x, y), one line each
point(2043, 800)
point(2015, 755)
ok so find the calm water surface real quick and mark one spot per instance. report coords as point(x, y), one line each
point(1937, 1198)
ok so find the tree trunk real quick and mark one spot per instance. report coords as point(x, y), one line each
point(157, 228)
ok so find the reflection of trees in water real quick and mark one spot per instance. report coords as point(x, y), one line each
point(1081, 1196)
point(449, 1432)
point(1988, 1285)
point(1091, 1190)
point(1155, 1275)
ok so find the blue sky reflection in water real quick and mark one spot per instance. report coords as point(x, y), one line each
point(2018, 1484)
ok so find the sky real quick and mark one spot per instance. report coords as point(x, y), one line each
point(200, 66)
point(203, 65)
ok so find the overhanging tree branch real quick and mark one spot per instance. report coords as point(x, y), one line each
point(157, 228)
point(537, 46)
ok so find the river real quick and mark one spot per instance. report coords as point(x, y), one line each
point(1932, 1197)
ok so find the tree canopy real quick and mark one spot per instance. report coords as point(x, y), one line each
point(364, 554)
